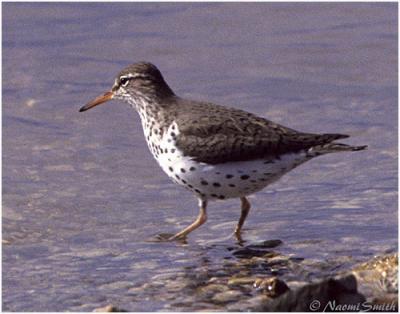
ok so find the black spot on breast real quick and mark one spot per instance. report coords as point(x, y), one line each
point(214, 195)
point(173, 127)
point(203, 182)
point(183, 181)
point(191, 186)
point(173, 134)
point(173, 150)
point(171, 169)
point(162, 151)
point(166, 150)
point(229, 176)
point(232, 185)
point(221, 197)
point(216, 184)
point(176, 176)
point(192, 168)
point(183, 170)
point(197, 191)
point(244, 177)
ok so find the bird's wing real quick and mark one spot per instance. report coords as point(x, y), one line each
point(215, 134)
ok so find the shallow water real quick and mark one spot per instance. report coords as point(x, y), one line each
point(82, 195)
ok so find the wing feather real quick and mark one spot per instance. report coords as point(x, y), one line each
point(215, 134)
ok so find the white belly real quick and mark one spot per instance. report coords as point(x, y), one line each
point(220, 181)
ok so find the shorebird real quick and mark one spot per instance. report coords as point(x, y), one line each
point(214, 151)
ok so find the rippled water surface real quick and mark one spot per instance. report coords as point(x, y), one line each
point(82, 194)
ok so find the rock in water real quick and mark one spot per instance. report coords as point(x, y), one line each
point(329, 295)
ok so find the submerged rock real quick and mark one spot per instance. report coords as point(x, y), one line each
point(239, 281)
point(378, 281)
point(227, 296)
point(211, 290)
point(381, 272)
point(267, 244)
point(247, 252)
point(259, 249)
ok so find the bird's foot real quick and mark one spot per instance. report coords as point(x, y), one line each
point(238, 235)
point(179, 238)
point(167, 237)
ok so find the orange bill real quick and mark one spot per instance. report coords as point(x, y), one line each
point(97, 101)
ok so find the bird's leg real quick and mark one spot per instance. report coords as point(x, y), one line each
point(243, 215)
point(201, 219)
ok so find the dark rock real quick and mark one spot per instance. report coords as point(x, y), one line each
point(268, 244)
point(329, 295)
point(272, 287)
point(109, 308)
point(248, 253)
point(257, 249)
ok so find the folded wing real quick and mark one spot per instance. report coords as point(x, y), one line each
point(215, 134)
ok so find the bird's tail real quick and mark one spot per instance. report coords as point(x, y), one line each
point(333, 148)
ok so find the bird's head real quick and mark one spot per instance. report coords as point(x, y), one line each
point(136, 84)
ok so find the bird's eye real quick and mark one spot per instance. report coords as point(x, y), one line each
point(124, 81)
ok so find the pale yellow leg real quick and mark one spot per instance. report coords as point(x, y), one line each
point(201, 219)
point(243, 215)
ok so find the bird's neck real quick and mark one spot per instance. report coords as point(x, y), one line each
point(154, 115)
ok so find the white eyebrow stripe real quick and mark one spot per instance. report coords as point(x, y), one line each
point(136, 75)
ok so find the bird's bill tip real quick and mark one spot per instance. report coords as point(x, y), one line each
point(97, 101)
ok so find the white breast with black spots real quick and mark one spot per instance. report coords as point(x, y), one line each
point(220, 181)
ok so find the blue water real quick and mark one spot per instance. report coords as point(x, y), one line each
point(82, 194)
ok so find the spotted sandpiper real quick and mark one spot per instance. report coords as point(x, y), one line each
point(214, 151)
